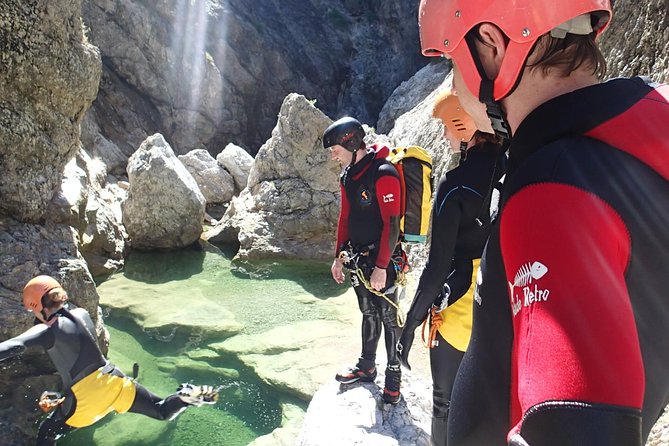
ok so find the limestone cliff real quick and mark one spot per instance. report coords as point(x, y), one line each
point(206, 73)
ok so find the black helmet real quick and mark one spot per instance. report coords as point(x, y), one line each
point(347, 132)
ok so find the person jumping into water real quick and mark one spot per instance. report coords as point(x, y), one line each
point(92, 386)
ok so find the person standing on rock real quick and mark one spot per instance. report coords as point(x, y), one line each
point(92, 386)
point(367, 237)
point(571, 314)
point(460, 228)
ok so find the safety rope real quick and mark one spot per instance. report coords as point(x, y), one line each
point(399, 313)
point(400, 281)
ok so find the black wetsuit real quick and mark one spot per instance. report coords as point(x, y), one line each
point(369, 221)
point(69, 342)
point(460, 227)
point(571, 321)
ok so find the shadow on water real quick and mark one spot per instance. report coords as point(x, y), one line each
point(193, 299)
point(313, 276)
point(157, 267)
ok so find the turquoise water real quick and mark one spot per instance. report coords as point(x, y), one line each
point(158, 289)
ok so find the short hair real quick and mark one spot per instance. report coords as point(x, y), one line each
point(491, 138)
point(565, 55)
point(54, 298)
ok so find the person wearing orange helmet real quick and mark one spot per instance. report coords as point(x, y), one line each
point(92, 386)
point(460, 228)
point(571, 319)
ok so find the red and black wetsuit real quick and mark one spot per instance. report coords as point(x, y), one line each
point(369, 220)
point(571, 320)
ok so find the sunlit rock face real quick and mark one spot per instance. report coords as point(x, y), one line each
point(290, 206)
point(215, 183)
point(637, 40)
point(238, 162)
point(164, 208)
point(355, 414)
point(205, 73)
point(50, 76)
point(90, 204)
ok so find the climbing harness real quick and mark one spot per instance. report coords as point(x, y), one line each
point(436, 320)
point(351, 259)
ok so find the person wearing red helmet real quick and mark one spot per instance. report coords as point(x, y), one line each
point(460, 228)
point(367, 239)
point(571, 319)
point(92, 386)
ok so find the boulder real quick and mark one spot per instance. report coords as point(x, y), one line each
point(164, 208)
point(238, 162)
point(215, 183)
point(355, 414)
point(290, 206)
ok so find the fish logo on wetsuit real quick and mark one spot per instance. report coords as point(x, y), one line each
point(528, 273)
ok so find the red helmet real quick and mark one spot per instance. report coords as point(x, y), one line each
point(445, 23)
point(35, 289)
point(456, 120)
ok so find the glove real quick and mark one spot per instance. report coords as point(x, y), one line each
point(404, 346)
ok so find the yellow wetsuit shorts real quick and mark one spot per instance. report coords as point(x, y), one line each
point(98, 394)
point(456, 328)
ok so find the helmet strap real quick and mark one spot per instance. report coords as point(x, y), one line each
point(463, 150)
point(498, 120)
point(353, 158)
point(494, 110)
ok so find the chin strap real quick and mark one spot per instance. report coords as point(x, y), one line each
point(498, 120)
point(494, 110)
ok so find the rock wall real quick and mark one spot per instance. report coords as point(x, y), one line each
point(50, 75)
point(206, 73)
point(637, 40)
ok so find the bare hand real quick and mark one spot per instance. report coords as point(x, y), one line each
point(378, 279)
point(338, 270)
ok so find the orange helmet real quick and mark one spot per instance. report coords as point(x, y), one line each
point(35, 289)
point(456, 120)
point(444, 25)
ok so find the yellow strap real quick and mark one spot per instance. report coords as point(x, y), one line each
point(417, 152)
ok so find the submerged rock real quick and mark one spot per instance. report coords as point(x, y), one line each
point(291, 423)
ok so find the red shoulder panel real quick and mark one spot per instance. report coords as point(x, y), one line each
point(575, 339)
